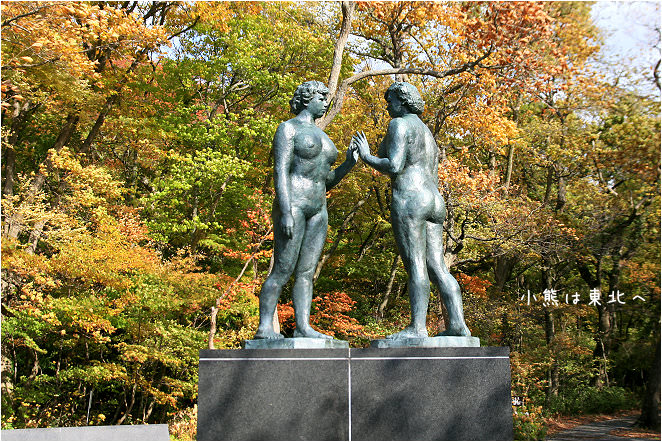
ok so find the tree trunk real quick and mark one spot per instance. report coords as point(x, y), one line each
point(561, 197)
point(334, 75)
point(6, 370)
point(548, 185)
point(389, 288)
point(339, 235)
point(509, 169)
point(492, 163)
point(129, 406)
point(14, 224)
point(20, 118)
point(369, 241)
point(550, 332)
point(101, 118)
point(603, 345)
point(150, 409)
point(9, 164)
point(650, 406)
point(347, 15)
point(553, 371)
point(503, 270)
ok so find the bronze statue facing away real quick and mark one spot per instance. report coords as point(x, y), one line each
point(410, 156)
point(303, 156)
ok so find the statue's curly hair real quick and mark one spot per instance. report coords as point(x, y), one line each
point(409, 96)
point(304, 94)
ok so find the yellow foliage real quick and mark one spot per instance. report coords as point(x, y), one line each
point(71, 38)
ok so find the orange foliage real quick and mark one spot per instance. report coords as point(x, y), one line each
point(328, 315)
point(331, 317)
point(257, 225)
point(474, 285)
point(72, 36)
point(472, 187)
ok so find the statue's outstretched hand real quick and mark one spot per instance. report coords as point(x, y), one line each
point(352, 154)
point(360, 141)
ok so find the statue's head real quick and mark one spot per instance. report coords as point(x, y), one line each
point(305, 93)
point(409, 96)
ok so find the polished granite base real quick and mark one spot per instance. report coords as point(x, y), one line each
point(407, 393)
point(294, 343)
point(434, 342)
point(100, 432)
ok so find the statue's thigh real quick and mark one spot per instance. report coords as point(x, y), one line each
point(286, 250)
point(313, 242)
point(411, 237)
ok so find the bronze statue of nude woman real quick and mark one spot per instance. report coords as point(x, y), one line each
point(303, 156)
point(410, 156)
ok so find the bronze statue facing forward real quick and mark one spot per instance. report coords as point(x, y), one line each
point(303, 156)
point(410, 156)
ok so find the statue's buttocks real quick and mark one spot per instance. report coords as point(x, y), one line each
point(410, 156)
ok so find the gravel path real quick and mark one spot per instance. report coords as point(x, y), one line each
point(598, 430)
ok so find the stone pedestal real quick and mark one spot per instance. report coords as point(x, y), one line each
point(294, 343)
point(432, 342)
point(431, 394)
point(92, 432)
point(355, 394)
point(273, 395)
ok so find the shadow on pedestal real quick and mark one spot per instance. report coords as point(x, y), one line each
point(370, 394)
point(431, 394)
point(432, 342)
point(273, 395)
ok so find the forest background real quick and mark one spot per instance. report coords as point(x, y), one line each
point(137, 190)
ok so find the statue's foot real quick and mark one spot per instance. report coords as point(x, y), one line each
point(268, 334)
point(409, 332)
point(456, 331)
point(310, 332)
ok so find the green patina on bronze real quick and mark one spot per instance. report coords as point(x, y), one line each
point(410, 156)
point(303, 156)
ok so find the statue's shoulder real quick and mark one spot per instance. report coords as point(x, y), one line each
point(286, 128)
point(399, 126)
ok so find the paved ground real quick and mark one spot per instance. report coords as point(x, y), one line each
point(598, 430)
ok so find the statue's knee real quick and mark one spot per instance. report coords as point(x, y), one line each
point(276, 281)
point(305, 274)
point(418, 273)
point(419, 284)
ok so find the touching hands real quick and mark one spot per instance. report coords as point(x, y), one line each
point(352, 155)
point(360, 143)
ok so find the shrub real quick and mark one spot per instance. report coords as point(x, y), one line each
point(593, 400)
point(183, 425)
point(528, 423)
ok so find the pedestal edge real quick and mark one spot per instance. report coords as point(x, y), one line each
point(294, 343)
point(430, 342)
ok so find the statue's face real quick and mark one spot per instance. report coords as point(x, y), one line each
point(395, 106)
point(317, 105)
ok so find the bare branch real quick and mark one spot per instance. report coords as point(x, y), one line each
point(347, 14)
point(188, 28)
point(340, 93)
point(425, 49)
point(27, 14)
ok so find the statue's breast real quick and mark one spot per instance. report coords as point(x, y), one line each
point(307, 144)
